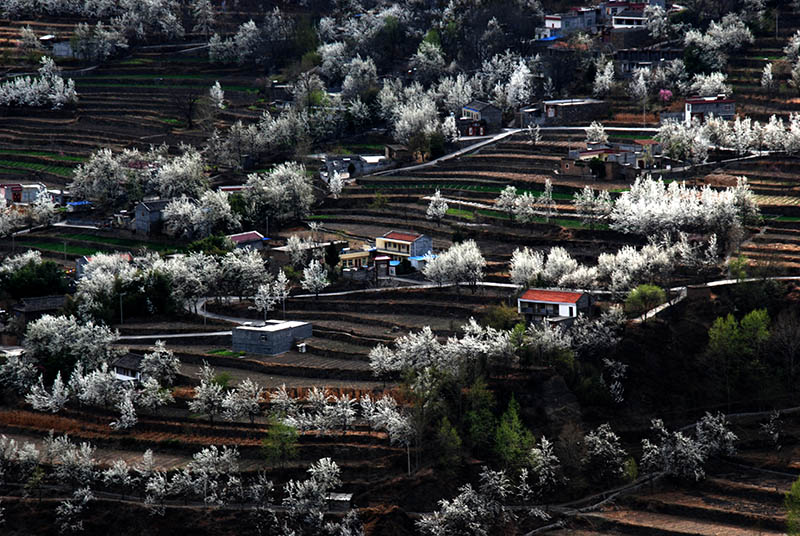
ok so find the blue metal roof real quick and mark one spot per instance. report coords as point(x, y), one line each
point(551, 38)
point(79, 203)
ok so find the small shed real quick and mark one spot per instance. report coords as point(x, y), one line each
point(399, 153)
point(128, 368)
point(274, 338)
point(251, 239)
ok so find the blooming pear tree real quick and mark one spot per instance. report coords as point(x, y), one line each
point(209, 395)
point(605, 458)
point(315, 277)
point(161, 364)
point(437, 208)
point(596, 134)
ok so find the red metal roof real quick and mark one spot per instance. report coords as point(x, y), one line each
point(251, 236)
point(645, 142)
point(405, 237)
point(551, 296)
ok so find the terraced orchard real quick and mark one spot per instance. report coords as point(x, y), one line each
point(774, 244)
point(139, 100)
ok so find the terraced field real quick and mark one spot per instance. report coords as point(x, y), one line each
point(740, 503)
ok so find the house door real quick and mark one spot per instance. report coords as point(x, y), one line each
point(571, 312)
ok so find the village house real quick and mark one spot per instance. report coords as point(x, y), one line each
point(582, 19)
point(481, 117)
point(128, 368)
point(628, 18)
point(251, 239)
point(30, 309)
point(273, 338)
point(22, 193)
point(628, 60)
point(356, 258)
point(149, 216)
point(611, 8)
point(401, 245)
point(562, 112)
point(348, 166)
point(59, 47)
point(700, 108)
point(611, 161)
point(555, 306)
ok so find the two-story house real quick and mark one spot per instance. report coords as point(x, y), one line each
point(700, 108)
point(149, 216)
point(401, 245)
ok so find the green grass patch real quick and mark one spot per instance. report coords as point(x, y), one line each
point(631, 136)
point(122, 242)
point(137, 61)
point(171, 121)
point(364, 147)
point(461, 213)
point(59, 248)
point(322, 217)
point(493, 214)
point(226, 353)
point(33, 166)
point(787, 218)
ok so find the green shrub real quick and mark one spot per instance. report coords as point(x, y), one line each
point(645, 297)
point(501, 317)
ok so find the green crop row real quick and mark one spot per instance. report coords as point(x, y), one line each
point(122, 242)
point(54, 156)
point(32, 166)
point(59, 248)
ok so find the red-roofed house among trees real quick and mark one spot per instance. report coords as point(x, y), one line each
point(253, 239)
point(554, 305)
point(402, 245)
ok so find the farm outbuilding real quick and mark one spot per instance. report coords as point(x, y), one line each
point(273, 338)
point(30, 309)
point(251, 239)
point(128, 368)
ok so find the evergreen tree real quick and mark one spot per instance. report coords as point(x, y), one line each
point(512, 440)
